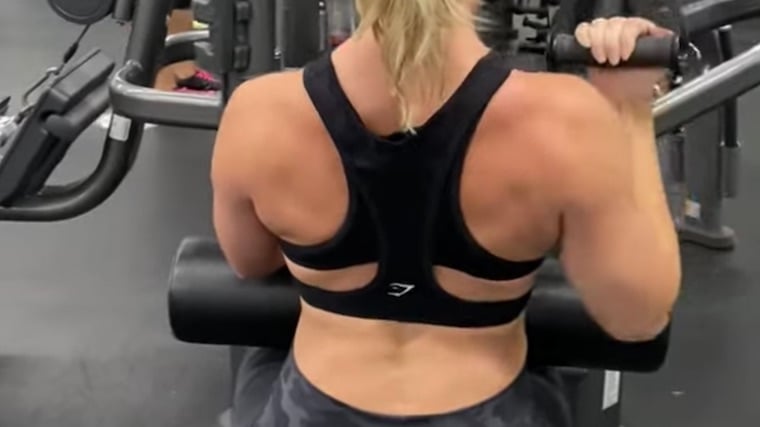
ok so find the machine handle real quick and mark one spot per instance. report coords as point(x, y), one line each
point(664, 52)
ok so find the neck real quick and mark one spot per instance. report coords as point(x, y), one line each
point(461, 42)
point(464, 40)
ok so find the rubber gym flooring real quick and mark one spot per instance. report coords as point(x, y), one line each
point(84, 337)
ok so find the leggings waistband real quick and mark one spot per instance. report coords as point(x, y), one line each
point(528, 401)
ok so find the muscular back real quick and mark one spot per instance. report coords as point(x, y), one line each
point(512, 189)
point(509, 187)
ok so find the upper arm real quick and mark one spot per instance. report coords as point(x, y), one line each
point(598, 191)
point(249, 247)
point(596, 174)
point(598, 203)
point(607, 247)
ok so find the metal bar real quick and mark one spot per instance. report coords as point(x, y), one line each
point(78, 198)
point(731, 107)
point(706, 15)
point(713, 89)
point(166, 108)
point(262, 37)
point(146, 40)
point(301, 38)
point(181, 47)
point(122, 10)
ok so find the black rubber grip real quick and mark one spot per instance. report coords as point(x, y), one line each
point(564, 49)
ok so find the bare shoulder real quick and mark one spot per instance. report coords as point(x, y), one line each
point(562, 116)
point(562, 131)
point(258, 116)
point(262, 106)
point(266, 94)
point(559, 98)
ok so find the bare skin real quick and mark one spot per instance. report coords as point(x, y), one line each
point(276, 174)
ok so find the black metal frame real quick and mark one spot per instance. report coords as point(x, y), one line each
point(722, 84)
point(120, 147)
point(706, 15)
point(160, 107)
point(708, 92)
point(131, 95)
point(132, 99)
point(143, 54)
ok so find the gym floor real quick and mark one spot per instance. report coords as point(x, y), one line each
point(84, 337)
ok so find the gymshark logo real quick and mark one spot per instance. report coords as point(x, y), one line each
point(399, 289)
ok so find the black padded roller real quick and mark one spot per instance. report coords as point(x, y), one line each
point(208, 304)
point(663, 52)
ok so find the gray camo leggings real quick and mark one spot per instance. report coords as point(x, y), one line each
point(271, 392)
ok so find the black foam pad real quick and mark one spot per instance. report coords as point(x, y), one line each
point(208, 304)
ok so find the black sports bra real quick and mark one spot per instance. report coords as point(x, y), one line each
point(404, 211)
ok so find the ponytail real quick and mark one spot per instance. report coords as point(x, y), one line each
point(410, 34)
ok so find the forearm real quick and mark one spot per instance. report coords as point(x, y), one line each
point(649, 191)
point(652, 200)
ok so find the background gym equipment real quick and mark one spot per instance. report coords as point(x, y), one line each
point(37, 138)
point(47, 128)
point(702, 161)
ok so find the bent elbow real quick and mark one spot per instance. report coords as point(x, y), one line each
point(638, 331)
point(244, 273)
point(253, 271)
point(648, 319)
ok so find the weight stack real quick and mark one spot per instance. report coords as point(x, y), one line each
point(243, 40)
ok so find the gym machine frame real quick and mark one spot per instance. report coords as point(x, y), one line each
point(130, 95)
point(701, 165)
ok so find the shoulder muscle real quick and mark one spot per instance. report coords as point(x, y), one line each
point(253, 115)
point(577, 132)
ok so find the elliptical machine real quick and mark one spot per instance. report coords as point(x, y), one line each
point(70, 96)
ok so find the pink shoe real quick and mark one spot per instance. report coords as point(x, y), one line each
point(196, 92)
point(200, 81)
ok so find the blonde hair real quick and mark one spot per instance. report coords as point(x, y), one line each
point(410, 34)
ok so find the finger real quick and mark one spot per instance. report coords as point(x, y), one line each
point(649, 28)
point(597, 40)
point(628, 37)
point(641, 22)
point(657, 31)
point(612, 38)
point(583, 35)
point(632, 30)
